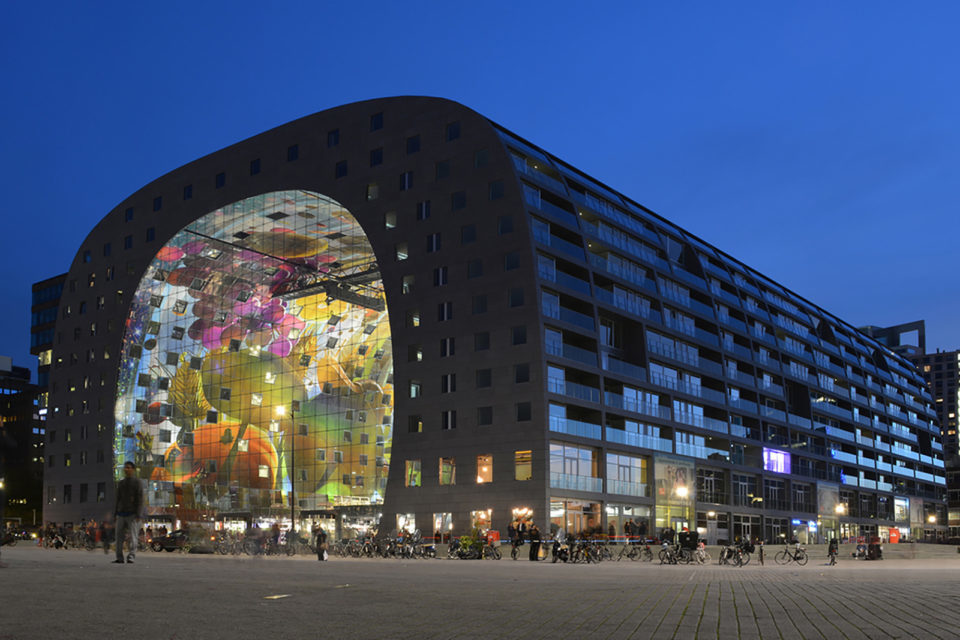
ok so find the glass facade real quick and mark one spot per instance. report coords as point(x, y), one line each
point(256, 373)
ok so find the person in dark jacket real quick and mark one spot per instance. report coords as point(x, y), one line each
point(321, 542)
point(128, 508)
point(7, 445)
point(534, 542)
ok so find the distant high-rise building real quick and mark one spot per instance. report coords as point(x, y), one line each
point(45, 301)
point(23, 473)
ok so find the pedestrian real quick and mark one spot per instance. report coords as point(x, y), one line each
point(7, 446)
point(128, 507)
point(321, 543)
point(534, 533)
point(832, 551)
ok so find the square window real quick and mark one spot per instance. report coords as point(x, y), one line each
point(413, 144)
point(521, 373)
point(376, 121)
point(468, 234)
point(224, 393)
point(518, 335)
point(376, 157)
point(481, 341)
point(484, 416)
point(423, 210)
point(333, 137)
point(523, 412)
point(452, 131)
point(293, 152)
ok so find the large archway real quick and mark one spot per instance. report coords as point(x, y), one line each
point(257, 361)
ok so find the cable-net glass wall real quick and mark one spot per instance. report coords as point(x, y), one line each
point(256, 361)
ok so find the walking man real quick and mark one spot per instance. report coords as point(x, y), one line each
point(129, 506)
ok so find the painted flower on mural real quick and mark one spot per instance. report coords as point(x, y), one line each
point(247, 374)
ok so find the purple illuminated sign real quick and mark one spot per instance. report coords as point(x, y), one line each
point(776, 461)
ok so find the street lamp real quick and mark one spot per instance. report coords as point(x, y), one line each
point(682, 493)
point(932, 519)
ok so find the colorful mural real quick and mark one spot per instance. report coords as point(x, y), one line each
point(256, 360)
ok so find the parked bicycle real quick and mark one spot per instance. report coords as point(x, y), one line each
point(798, 555)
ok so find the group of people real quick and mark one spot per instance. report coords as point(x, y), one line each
point(520, 531)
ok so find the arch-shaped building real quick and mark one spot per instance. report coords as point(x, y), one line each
point(335, 317)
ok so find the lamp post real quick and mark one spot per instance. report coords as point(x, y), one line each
point(281, 412)
point(682, 493)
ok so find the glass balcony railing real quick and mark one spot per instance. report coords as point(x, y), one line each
point(624, 488)
point(837, 454)
point(836, 432)
point(884, 486)
point(770, 412)
point(573, 390)
point(867, 484)
point(577, 428)
point(903, 471)
point(575, 483)
point(639, 440)
point(572, 282)
point(798, 421)
point(623, 368)
point(883, 466)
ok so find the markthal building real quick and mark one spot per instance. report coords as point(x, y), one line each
point(398, 314)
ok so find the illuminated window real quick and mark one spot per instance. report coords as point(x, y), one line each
point(390, 220)
point(414, 424)
point(448, 471)
point(484, 469)
point(412, 477)
point(522, 465)
point(414, 388)
point(400, 251)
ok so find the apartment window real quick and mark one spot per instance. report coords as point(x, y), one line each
point(376, 157)
point(413, 144)
point(67, 494)
point(255, 167)
point(293, 152)
point(333, 137)
point(447, 347)
point(448, 383)
point(452, 131)
point(413, 318)
point(458, 200)
point(511, 261)
point(484, 469)
point(515, 297)
point(151, 234)
point(484, 416)
point(468, 234)
point(521, 373)
point(480, 304)
point(157, 203)
point(433, 242)
point(414, 353)
point(376, 121)
point(423, 210)
point(445, 311)
point(481, 341)
point(522, 465)
point(390, 220)
point(340, 169)
point(106, 249)
point(373, 191)
point(448, 419)
point(484, 378)
point(128, 242)
point(442, 169)
point(415, 389)
point(523, 412)
point(448, 471)
point(518, 335)
point(495, 190)
point(440, 276)
point(401, 251)
point(505, 225)
point(84, 487)
point(219, 180)
point(406, 180)
point(414, 424)
point(101, 491)
point(128, 215)
point(412, 475)
point(406, 285)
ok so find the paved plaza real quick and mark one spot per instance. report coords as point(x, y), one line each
point(78, 594)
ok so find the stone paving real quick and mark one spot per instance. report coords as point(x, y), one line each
point(77, 594)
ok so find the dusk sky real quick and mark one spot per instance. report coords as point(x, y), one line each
point(817, 142)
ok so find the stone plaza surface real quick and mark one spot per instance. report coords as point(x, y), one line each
point(78, 594)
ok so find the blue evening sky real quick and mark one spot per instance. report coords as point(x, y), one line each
point(818, 142)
